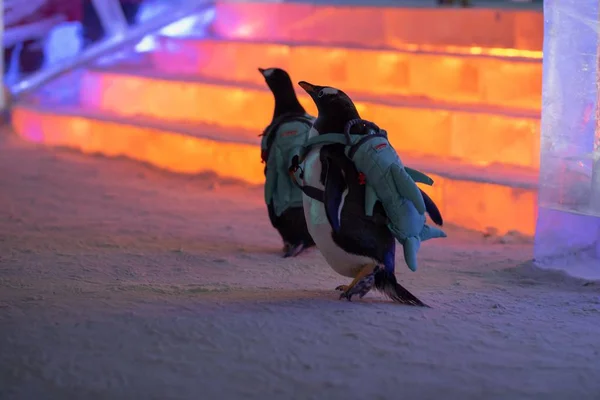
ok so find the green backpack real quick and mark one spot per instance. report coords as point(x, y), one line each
point(386, 180)
point(281, 140)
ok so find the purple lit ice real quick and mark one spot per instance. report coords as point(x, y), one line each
point(568, 227)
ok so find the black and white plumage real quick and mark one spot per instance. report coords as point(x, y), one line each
point(360, 247)
point(291, 224)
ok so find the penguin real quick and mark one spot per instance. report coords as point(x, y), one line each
point(290, 224)
point(354, 245)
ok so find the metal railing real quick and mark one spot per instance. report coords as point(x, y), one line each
point(119, 35)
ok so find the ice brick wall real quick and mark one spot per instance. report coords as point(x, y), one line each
point(568, 227)
point(2, 97)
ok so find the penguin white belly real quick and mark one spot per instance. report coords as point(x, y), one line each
point(343, 263)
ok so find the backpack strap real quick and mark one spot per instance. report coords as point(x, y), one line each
point(356, 141)
point(323, 139)
point(353, 148)
point(274, 126)
point(416, 175)
point(352, 142)
point(326, 138)
point(310, 191)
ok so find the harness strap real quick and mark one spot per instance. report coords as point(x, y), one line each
point(275, 124)
point(313, 192)
point(356, 142)
point(310, 191)
point(327, 138)
point(352, 142)
point(354, 147)
point(319, 195)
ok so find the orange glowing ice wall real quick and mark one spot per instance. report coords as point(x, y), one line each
point(2, 96)
point(396, 27)
point(568, 226)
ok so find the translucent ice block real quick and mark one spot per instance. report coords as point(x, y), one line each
point(568, 227)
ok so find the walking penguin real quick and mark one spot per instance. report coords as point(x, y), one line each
point(282, 138)
point(359, 198)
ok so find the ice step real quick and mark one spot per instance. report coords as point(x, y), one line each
point(496, 197)
point(175, 147)
point(450, 77)
point(392, 26)
point(474, 135)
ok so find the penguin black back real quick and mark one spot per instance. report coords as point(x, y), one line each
point(344, 193)
point(280, 84)
point(361, 234)
point(336, 110)
point(357, 233)
point(290, 223)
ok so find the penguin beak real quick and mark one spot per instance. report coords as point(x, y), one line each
point(308, 87)
point(262, 71)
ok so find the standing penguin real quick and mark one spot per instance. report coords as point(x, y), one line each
point(356, 243)
point(281, 140)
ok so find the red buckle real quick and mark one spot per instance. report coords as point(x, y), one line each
point(362, 179)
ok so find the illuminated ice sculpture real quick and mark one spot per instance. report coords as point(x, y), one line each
point(568, 225)
point(3, 91)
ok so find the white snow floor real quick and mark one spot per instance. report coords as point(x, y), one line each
point(118, 281)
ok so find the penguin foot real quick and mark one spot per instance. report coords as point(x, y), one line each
point(361, 288)
point(292, 251)
point(361, 285)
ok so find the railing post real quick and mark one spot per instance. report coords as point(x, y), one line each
point(111, 16)
point(2, 92)
point(108, 44)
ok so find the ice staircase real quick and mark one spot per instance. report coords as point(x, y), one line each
point(457, 90)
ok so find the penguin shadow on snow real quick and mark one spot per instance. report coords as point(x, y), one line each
point(296, 298)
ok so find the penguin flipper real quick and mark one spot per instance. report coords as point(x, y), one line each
point(333, 193)
point(432, 209)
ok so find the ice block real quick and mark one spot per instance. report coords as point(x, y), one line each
point(2, 96)
point(568, 224)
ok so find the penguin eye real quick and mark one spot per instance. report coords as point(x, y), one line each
point(321, 94)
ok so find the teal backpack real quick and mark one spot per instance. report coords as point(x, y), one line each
point(281, 140)
point(386, 180)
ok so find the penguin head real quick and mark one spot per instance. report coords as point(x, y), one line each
point(335, 107)
point(283, 90)
point(330, 101)
point(276, 78)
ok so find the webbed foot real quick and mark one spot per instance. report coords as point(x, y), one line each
point(361, 285)
point(291, 250)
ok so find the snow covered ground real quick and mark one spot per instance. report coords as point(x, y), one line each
point(118, 281)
